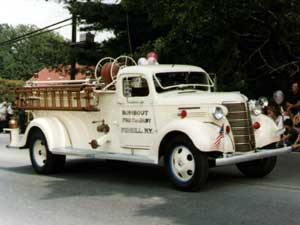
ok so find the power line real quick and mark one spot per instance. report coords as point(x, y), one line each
point(33, 33)
point(45, 31)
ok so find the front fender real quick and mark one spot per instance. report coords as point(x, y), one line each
point(203, 135)
point(268, 132)
point(54, 131)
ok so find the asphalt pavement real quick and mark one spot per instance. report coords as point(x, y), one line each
point(96, 192)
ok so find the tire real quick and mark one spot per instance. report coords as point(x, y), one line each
point(257, 168)
point(186, 166)
point(42, 160)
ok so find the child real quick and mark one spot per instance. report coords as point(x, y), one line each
point(290, 135)
point(274, 113)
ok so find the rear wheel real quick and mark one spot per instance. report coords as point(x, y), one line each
point(42, 160)
point(257, 168)
point(186, 166)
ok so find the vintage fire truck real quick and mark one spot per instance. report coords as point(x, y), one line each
point(146, 114)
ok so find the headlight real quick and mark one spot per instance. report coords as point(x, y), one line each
point(256, 107)
point(257, 110)
point(263, 101)
point(218, 113)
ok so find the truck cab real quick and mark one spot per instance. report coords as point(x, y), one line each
point(147, 114)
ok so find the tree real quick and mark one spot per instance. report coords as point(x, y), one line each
point(20, 60)
point(7, 88)
point(252, 45)
point(249, 44)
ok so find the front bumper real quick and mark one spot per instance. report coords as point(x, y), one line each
point(259, 154)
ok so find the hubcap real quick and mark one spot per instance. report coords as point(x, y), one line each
point(182, 163)
point(39, 153)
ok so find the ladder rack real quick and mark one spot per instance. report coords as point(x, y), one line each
point(73, 97)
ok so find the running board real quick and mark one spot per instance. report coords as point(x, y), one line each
point(102, 155)
point(259, 154)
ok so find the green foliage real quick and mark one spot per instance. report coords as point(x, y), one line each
point(247, 43)
point(7, 88)
point(252, 45)
point(22, 59)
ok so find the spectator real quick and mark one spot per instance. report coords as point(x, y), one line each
point(22, 120)
point(293, 99)
point(290, 135)
point(296, 145)
point(296, 118)
point(3, 115)
point(280, 103)
point(274, 113)
point(278, 97)
point(9, 114)
point(286, 115)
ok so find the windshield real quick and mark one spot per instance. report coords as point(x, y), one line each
point(182, 80)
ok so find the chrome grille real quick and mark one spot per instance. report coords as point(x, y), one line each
point(240, 121)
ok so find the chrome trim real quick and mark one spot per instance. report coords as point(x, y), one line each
point(241, 143)
point(182, 108)
point(102, 155)
point(237, 112)
point(241, 126)
point(238, 119)
point(260, 154)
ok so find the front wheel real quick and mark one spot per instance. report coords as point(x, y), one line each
point(42, 160)
point(186, 166)
point(257, 168)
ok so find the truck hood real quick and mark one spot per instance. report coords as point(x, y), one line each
point(198, 97)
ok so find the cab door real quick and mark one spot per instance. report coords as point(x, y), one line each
point(137, 125)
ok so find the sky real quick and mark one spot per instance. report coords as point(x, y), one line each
point(39, 13)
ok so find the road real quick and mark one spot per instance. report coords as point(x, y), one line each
point(95, 192)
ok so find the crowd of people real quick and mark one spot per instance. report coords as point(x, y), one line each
point(6, 112)
point(285, 111)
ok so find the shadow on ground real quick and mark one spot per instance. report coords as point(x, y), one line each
point(226, 199)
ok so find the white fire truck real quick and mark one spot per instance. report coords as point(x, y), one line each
point(143, 114)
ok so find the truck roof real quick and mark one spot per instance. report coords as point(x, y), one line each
point(161, 68)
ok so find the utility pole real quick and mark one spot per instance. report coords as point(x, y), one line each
point(73, 51)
